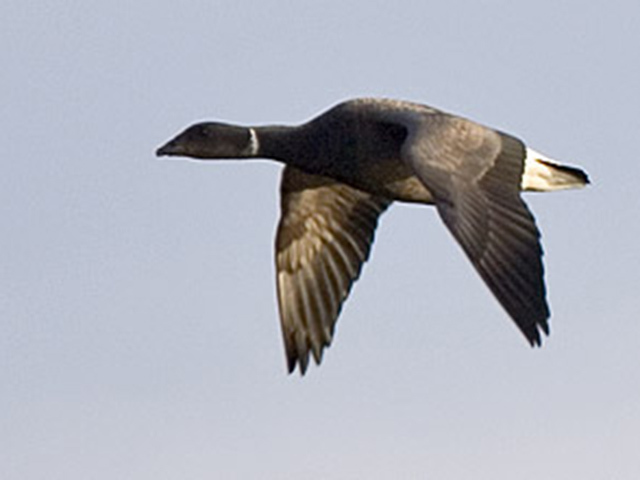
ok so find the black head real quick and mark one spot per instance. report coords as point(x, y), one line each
point(211, 140)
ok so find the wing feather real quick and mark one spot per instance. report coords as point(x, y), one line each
point(324, 236)
point(475, 174)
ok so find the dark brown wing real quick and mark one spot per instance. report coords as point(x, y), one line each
point(324, 236)
point(475, 174)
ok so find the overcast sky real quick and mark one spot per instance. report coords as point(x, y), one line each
point(139, 336)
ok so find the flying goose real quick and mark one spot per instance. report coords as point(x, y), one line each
point(344, 168)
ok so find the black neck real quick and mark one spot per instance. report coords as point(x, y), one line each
point(286, 144)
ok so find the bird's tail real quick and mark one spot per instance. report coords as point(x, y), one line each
point(542, 174)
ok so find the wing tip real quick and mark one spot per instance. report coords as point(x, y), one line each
point(301, 359)
point(533, 334)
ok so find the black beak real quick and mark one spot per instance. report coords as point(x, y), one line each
point(166, 150)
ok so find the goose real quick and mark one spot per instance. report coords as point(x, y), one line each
point(346, 166)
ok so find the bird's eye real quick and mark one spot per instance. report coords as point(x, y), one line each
point(199, 131)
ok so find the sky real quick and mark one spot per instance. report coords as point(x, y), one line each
point(139, 336)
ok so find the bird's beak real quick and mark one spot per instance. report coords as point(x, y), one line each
point(166, 150)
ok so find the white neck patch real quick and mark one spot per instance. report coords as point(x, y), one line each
point(254, 144)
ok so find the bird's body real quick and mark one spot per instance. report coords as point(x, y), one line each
point(346, 144)
point(346, 166)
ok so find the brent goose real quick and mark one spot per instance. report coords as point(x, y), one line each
point(346, 166)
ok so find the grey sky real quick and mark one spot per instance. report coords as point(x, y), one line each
point(139, 336)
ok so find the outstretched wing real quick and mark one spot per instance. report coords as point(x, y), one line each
point(475, 174)
point(324, 236)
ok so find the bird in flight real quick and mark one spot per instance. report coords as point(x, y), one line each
point(345, 167)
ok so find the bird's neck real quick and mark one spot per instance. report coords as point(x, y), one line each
point(286, 144)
